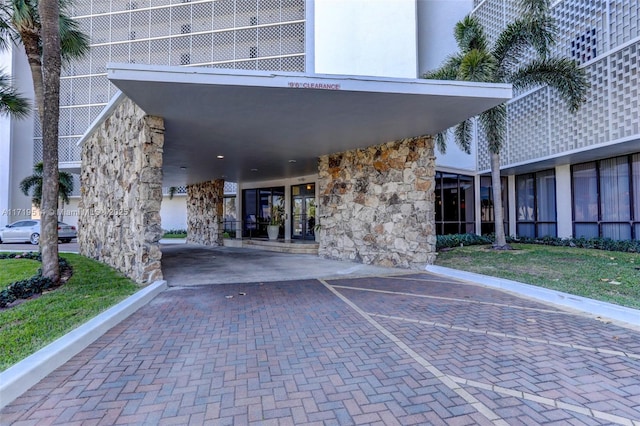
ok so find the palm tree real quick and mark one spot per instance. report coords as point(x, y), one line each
point(11, 102)
point(49, 11)
point(48, 36)
point(520, 56)
point(20, 21)
point(33, 185)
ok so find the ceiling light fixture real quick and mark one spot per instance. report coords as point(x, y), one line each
point(254, 170)
point(219, 157)
point(183, 168)
point(292, 161)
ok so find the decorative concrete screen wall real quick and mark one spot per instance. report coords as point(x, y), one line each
point(376, 204)
point(204, 212)
point(121, 193)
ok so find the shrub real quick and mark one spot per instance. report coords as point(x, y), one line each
point(175, 231)
point(26, 288)
point(629, 246)
point(455, 240)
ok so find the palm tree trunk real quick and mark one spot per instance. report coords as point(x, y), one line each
point(498, 213)
point(31, 43)
point(51, 64)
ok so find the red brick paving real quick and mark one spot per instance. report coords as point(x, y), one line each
point(294, 353)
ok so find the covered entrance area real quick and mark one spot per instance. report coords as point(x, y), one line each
point(351, 157)
point(190, 264)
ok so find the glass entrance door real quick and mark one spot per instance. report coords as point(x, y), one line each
point(303, 211)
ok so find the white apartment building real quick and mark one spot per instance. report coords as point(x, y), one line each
point(564, 175)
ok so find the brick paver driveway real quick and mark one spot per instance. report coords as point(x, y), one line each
point(409, 349)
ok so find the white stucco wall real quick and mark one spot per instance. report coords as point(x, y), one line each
point(16, 143)
point(174, 212)
point(365, 37)
point(564, 208)
point(436, 20)
point(5, 149)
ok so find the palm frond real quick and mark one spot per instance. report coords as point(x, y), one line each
point(561, 74)
point(65, 189)
point(11, 101)
point(534, 7)
point(448, 71)
point(7, 33)
point(32, 185)
point(519, 37)
point(477, 65)
point(469, 34)
point(24, 14)
point(494, 125)
point(441, 141)
point(463, 133)
point(74, 43)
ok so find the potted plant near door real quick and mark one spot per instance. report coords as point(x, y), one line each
point(276, 219)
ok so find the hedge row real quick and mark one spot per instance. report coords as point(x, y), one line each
point(26, 288)
point(455, 240)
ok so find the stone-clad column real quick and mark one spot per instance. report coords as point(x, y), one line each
point(204, 212)
point(121, 193)
point(376, 205)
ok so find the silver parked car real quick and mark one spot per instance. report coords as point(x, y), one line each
point(28, 230)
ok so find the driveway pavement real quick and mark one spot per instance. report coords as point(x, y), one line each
point(406, 349)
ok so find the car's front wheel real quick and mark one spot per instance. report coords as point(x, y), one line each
point(35, 239)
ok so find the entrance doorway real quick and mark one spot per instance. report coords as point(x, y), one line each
point(257, 209)
point(303, 211)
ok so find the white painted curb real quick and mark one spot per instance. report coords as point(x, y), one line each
point(592, 307)
point(18, 378)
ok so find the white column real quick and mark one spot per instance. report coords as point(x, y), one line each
point(5, 150)
point(564, 208)
point(287, 212)
point(239, 218)
point(511, 208)
point(476, 204)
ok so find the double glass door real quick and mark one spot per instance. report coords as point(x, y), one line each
point(303, 211)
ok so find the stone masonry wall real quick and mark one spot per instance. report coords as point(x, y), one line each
point(376, 204)
point(121, 193)
point(204, 212)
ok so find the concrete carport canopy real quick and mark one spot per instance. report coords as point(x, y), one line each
point(259, 121)
point(200, 127)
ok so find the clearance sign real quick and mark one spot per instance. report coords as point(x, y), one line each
point(324, 86)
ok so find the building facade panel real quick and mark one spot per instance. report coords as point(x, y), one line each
point(532, 133)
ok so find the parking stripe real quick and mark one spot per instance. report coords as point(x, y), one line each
point(452, 299)
point(548, 401)
point(444, 378)
point(510, 336)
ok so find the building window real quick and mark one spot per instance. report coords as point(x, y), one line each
point(486, 206)
point(583, 47)
point(605, 200)
point(253, 52)
point(536, 204)
point(454, 204)
point(185, 29)
point(185, 59)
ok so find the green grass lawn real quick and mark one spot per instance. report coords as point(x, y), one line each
point(174, 235)
point(12, 270)
point(92, 289)
point(602, 275)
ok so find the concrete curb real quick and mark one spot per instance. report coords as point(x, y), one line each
point(18, 378)
point(589, 306)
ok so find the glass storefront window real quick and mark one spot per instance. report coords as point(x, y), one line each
point(536, 204)
point(454, 205)
point(486, 205)
point(605, 198)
